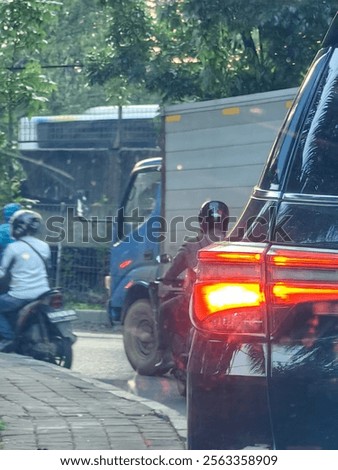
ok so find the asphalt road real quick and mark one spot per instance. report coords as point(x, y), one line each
point(100, 355)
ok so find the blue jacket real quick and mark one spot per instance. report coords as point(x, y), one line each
point(5, 230)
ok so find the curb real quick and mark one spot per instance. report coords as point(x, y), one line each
point(91, 318)
point(95, 320)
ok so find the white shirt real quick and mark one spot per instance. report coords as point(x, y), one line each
point(29, 277)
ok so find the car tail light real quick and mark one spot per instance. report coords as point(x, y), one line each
point(229, 293)
point(251, 289)
point(299, 276)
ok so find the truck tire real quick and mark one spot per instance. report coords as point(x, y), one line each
point(140, 339)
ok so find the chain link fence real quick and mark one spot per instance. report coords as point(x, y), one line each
point(79, 263)
point(80, 272)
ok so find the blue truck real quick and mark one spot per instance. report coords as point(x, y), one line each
point(213, 150)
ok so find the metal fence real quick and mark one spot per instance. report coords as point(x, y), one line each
point(79, 264)
point(80, 272)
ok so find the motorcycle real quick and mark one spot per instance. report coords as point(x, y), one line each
point(43, 330)
point(179, 327)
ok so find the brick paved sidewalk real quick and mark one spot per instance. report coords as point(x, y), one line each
point(47, 407)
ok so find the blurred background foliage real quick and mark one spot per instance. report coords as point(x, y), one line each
point(62, 57)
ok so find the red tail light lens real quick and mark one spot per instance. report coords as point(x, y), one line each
point(228, 296)
point(246, 289)
point(56, 300)
point(298, 276)
point(292, 294)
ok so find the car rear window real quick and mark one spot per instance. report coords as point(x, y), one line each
point(315, 166)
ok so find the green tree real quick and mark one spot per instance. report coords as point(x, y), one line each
point(79, 27)
point(121, 66)
point(268, 46)
point(205, 49)
point(24, 89)
point(149, 53)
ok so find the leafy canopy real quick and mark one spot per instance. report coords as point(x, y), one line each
point(206, 49)
point(24, 88)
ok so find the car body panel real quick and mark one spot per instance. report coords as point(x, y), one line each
point(215, 383)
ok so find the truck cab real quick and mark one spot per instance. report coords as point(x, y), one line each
point(135, 246)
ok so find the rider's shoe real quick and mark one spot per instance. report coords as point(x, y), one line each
point(165, 361)
point(168, 364)
point(5, 345)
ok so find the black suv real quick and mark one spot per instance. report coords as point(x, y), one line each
point(263, 370)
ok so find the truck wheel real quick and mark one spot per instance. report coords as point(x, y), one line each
point(140, 339)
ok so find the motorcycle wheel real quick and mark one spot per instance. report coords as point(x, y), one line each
point(140, 340)
point(65, 356)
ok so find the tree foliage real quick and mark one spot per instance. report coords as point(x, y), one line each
point(270, 44)
point(24, 88)
point(122, 64)
point(79, 27)
point(63, 56)
point(205, 49)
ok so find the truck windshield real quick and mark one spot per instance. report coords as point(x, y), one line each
point(141, 199)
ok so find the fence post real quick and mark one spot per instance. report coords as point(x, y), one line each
point(59, 249)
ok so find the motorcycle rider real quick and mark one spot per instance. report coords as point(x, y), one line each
point(213, 220)
point(26, 260)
